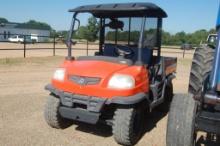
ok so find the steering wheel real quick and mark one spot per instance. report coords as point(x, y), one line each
point(123, 51)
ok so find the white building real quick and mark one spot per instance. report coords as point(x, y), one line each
point(9, 29)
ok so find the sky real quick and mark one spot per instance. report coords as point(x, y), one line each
point(183, 15)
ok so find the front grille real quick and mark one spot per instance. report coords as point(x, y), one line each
point(89, 103)
point(84, 80)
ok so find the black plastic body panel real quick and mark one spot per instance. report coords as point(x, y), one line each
point(208, 122)
point(87, 108)
point(129, 100)
point(79, 115)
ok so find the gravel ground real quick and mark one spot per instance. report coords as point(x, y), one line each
point(22, 98)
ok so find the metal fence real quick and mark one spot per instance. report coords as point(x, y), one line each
point(25, 40)
point(53, 44)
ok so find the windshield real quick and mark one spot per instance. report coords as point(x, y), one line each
point(130, 33)
point(108, 36)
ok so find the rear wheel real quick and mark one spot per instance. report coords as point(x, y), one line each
point(201, 68)
point(52, 115)
point(128, 125)
point(181, 121)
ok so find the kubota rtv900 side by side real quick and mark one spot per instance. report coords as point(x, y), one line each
point(126, 77)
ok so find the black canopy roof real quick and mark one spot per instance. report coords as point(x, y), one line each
point(122, 10)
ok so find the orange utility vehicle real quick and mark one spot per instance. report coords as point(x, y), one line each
point(125, 78)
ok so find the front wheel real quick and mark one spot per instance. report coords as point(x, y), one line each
point(52, 115)
point(128, 125)
point(181, 121)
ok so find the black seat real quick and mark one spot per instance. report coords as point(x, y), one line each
point(146, 56)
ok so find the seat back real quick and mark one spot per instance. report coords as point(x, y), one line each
point(109, 50)
point(146, 55)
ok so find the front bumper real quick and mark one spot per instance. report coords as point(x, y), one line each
point(79, 115)
point(88, 108)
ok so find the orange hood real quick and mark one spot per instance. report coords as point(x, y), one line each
point(103, 70)
point(94, 68)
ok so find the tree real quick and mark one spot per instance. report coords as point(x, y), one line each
point(166, 38)
point(199, 36)
point(81, 33)
point(212, 31)
point(180, 37)
point(3, 20)
point(32, 24)
point(110, 36)
point(91, 29)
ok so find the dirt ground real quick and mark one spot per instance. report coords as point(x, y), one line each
point(22, 98)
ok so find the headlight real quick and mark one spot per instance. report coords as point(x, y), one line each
point(59, 74)
point(120, 81)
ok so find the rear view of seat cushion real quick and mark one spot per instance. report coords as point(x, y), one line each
point(109, 50)
point(146, 55)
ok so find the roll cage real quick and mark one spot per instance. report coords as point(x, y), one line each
point(115, 11)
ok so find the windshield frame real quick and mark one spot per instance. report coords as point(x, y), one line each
point(102, 36)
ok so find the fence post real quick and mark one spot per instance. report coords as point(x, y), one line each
point(184, 51)
point(54, 46)
point(24, 46)
point(87, 48)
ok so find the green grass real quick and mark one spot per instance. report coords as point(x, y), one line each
point(31, 60)
point(55, 60)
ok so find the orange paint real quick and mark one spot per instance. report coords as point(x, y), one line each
point(103, 70)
